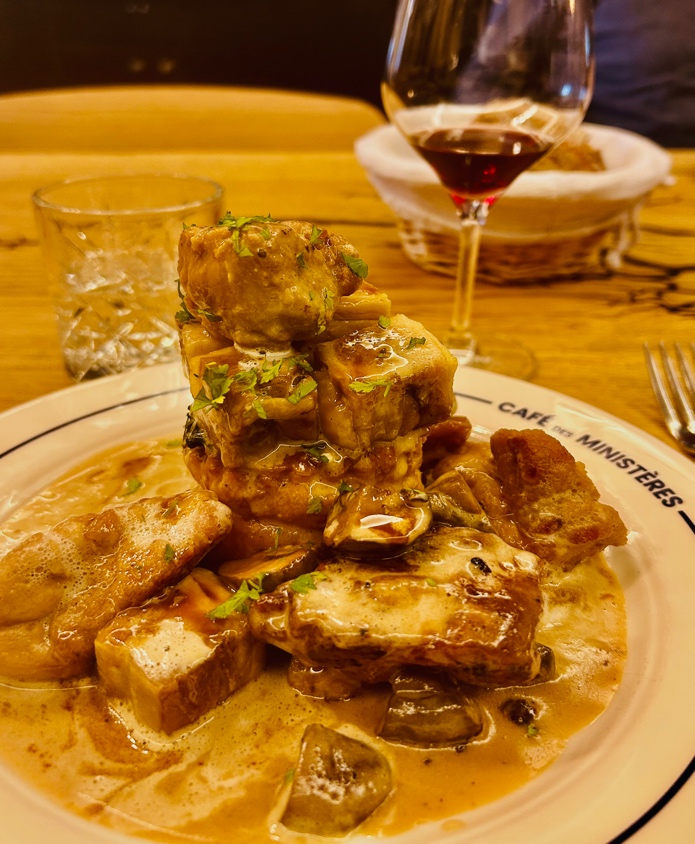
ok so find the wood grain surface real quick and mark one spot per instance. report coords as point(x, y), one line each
point(587, 333)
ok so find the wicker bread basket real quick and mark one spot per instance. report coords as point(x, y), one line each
point(549, 223)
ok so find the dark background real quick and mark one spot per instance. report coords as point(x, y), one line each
point(329, 46)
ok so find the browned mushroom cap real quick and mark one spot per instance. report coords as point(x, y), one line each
point(274, 566)
point(370, 520)
point(426, 709)
point(338, 783)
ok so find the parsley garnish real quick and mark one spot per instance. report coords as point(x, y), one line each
point(316, 233)
point(168, 553)
point(233, 222)
point(300, 260)
point(208, 315)
point(267, 374)
point(257, 405)
point(300, 360)
point(357, 265)
point(173, 443)
point(247, 377)
point(316, 449)
point(184, 315)
point(384, 322)
point(343, 487)
point(250, 590)
point(532, 731)
point(308, 385)
point(314, 506)
point(430, 581)
point(416, 341)
point(305, 582)
point(369, 386)
point(132, 485)
point(218, 384)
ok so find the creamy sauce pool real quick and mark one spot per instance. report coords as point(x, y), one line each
point(224, 778)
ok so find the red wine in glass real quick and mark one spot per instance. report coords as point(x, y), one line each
point(479, 162)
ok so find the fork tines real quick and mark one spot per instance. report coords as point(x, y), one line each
point(673, 380)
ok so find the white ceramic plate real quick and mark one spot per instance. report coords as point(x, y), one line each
point(628, 776)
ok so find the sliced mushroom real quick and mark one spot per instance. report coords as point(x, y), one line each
point(429, 710)
point(369, 520)
point(338, 783)
point(327, 683)
point(276, 566)
point(547, 669)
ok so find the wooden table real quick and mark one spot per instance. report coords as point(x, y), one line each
point(292, 155)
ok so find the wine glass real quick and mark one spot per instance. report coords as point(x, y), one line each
point(482, 89)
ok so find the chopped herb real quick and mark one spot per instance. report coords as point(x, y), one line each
point(314, 506)
point(316, 233)
point(265, 233)
point(250, 590)
point(430, 581)
point(184, 315)
point(301, 361)
point(257, 405)
point(278, 531)
point(173, 443)
point(343, 487)
point(218, 384)
point(289, 776)
point(237, 223)
point(315, 449)
point(531, 730)
point(308, 385)
point(300, 260)
point(186, 226)
point(208, 315)
point(356, 265)
point(305, 582)
point(245, 252)
point(369, 386)
point(384, 322)
point(170, 510)
point(132, 485)
point(168, 553)
point(416, 341)
point(248, 378)
point(267, 374)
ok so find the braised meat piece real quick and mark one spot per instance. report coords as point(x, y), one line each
point(263, 283)
point(173, 659)
point(60, 587)
point(458, 600)
point(553, 502)
point(381, 383)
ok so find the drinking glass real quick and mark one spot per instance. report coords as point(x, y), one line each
point(482, 89)
point(110, 247)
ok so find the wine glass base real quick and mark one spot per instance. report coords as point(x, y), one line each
point(496, 353)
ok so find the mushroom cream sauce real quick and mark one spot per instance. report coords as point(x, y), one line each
point(225, 777)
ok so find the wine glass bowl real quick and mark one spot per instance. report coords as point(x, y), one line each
point(482, 89)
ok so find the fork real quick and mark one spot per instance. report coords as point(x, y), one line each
point(674, 387)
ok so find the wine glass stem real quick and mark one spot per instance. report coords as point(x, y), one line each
point(472, 215)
